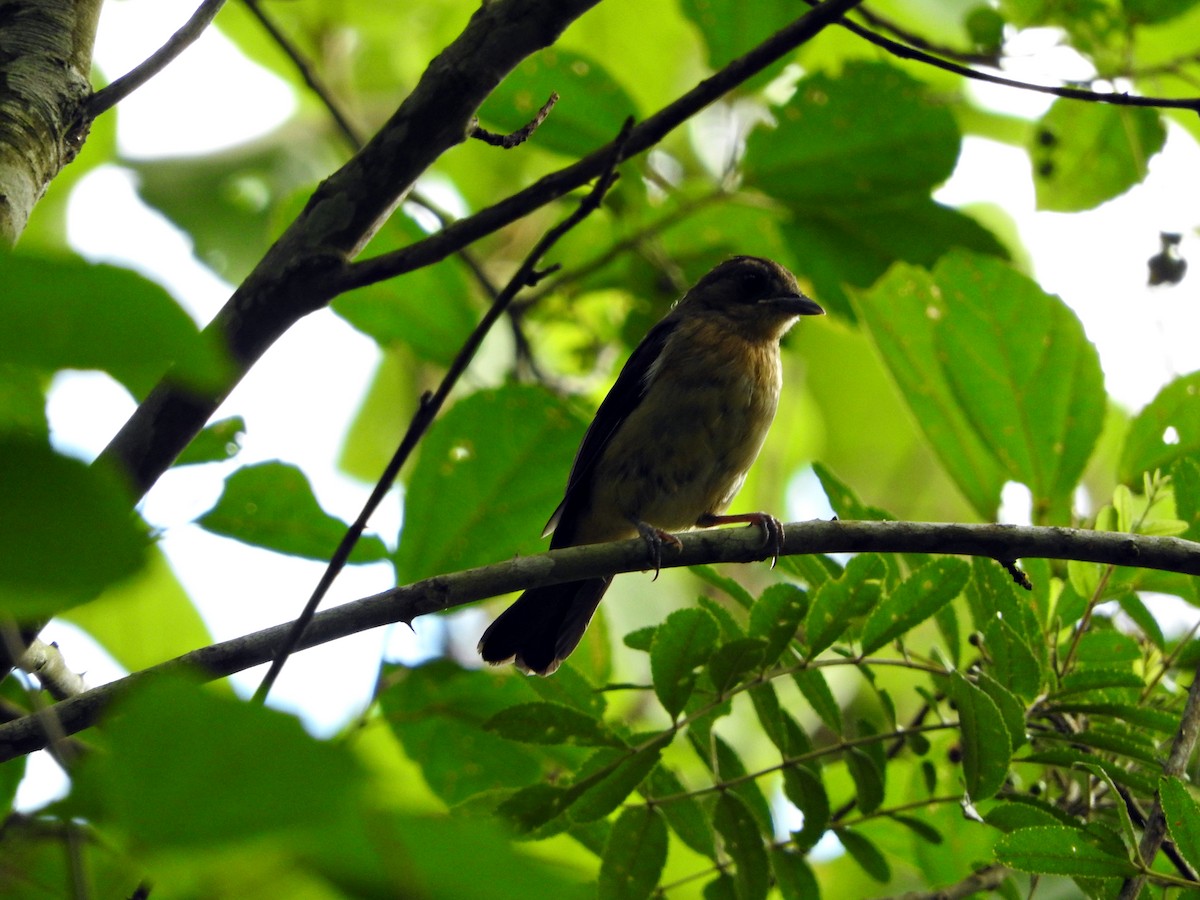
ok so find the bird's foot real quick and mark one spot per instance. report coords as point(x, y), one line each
point(655, 538)
point(772, 528)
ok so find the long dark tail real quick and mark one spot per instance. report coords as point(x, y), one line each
point(541, 629)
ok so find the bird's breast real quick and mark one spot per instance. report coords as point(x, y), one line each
point(685, 449)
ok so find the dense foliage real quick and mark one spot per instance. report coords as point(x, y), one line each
point(839, 726)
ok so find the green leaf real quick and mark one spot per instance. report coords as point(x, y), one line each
point(854, 159)
point(533, 808)
point(776, 616)
point(986, 743)
point(793, 876)
point(1012, 709)
point(272, 505)
point(916, 599)
point(730, 586)
point(155, 779)
point(428, 310)
point(871, 132)
point(218, 442)
point(839, 601)
point(732, 661)
point(641, 638)
point(1139, 716)
point(730, 629)
point(634, 856)
point(1012, 661)
point(744, 844)
point(550, 723)
point(902, 313)
point(64, 313)
point(844, 501)
point(622, 773)
point(868, 779)
point(728, 33)
point(23, 401)
point(1017, 812)
point(1185, 484)
point(1129, 835)
point(1183, 817)
point(66, 531)
point(570, 687)
point(816, 691)
point(806, 791)
point(687, 818)
point(1096, 679)
point(1132, 606)
point(591, 110)
point(854, 245)
point(1056, 850)
point(920, 828)
point(1129, 744)
point(491, 471)
point(866, 854)
point(726, 766)
point(1037, 404)
point(1167, 429)
point(464, 700)
point(1086, 153)
point(682, 643)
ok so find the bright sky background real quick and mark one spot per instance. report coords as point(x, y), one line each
point(299, 400)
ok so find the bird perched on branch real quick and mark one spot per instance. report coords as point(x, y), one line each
point(669, 447)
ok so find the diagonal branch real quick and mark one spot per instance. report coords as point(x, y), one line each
point(644, 136)
point(108, 97)
point(403, 604)
point(1181, 752)
point(904, 51)
point(295, 277)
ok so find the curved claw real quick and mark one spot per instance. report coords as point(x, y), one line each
point(772, 535)
point(771, 527)
point(655, 538)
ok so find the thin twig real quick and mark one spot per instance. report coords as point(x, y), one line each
point(988, 879)
point(431, 404)
point(522, 134)
point(108, 97)
point(309, 74)
point(904, 51)
point(1181, 751)
point(915, 40)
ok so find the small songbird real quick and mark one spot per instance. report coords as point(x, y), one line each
point(669, 447)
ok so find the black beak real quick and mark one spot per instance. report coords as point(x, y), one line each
point(796, 304)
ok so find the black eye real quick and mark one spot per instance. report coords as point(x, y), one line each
point(754, 283)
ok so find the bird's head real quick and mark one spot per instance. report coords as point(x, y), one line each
point(756, 296)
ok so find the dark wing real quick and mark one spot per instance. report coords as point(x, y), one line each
point(622, 399)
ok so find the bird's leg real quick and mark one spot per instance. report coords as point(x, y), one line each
point(771, 527)
point(655, 538)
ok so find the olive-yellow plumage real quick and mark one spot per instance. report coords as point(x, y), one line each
point(669, 447)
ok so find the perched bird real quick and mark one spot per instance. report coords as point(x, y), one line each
point(669, 447)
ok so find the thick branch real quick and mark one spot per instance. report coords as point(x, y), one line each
point(293, 279)
point(306, 267)
point(403, 604)
point(644, 136)
point(45, 61)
